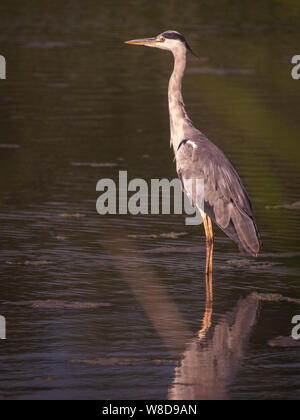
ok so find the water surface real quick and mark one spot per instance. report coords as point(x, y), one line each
point(111, 307)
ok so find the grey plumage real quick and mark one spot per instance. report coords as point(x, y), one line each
point(226, 201)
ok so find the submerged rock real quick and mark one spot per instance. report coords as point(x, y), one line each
point(77, 215)
point(28, 262)
point(169, 235)
point(274, 297)
point(95, 164)
point(59, 304)
point(284, 342)
point(122, 361)
point(293, 206)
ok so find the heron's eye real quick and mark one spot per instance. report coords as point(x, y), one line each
point(160, 39)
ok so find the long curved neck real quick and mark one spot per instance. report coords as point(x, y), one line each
point(179, 120)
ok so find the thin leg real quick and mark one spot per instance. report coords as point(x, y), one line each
point(210, 245)
point(206, 323)
point(209, 242)
point(204, 217)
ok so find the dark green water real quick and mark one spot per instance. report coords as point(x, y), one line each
point(76, 94)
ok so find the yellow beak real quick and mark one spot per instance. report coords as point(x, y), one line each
point(146, 41)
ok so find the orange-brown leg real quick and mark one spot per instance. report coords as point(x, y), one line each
point(206, 323)
point(210, 245)
point(209, 242)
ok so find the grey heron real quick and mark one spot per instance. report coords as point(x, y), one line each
point(226, 202)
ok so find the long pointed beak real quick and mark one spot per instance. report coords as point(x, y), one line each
point(145, 41)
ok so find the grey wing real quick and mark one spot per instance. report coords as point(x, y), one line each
point(226, 200)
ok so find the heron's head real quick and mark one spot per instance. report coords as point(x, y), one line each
point(168, 40)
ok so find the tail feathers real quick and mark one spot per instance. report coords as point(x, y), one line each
point(246, 231)
point(241, 228)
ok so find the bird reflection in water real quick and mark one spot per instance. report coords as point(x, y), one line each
point(206, 323)
point(207, 366)
point(213, 356)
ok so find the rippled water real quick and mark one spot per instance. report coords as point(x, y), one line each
point(112, 306)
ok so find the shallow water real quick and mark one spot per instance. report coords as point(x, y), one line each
point(111, 306)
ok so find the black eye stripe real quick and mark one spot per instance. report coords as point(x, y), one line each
point(174, 35)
